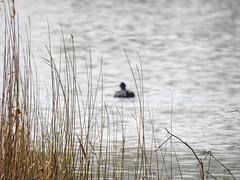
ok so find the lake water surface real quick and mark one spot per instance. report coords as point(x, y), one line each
point(190, 52)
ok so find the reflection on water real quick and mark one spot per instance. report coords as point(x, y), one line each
point(188, 48)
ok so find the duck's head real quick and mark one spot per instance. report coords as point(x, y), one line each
point(123, 86)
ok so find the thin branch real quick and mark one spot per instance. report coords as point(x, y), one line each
point(199, 160)
point(228, 170)
point(163, 143)
point(211, 175)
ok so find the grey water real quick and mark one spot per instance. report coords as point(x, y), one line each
point(190, 52)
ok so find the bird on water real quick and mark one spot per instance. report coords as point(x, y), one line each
point(124, 93)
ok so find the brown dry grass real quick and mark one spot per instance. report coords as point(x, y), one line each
point(37, 144)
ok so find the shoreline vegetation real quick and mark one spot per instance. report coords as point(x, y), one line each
point(44, 144)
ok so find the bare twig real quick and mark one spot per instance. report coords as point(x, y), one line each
point(228, 170)
point(211, 175)
point(163, 143)
point(199, 160)
point(237, 110)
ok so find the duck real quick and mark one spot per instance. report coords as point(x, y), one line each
point(124, 93)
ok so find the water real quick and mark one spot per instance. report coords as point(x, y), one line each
point(189, 51)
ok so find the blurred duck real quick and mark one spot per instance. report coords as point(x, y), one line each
point(124, 93)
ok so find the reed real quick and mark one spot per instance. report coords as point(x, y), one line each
point(75, 136)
